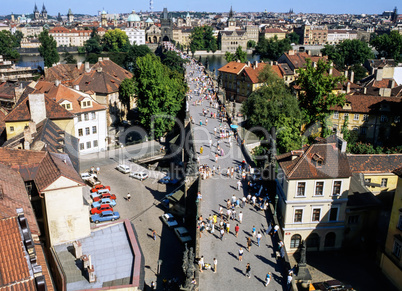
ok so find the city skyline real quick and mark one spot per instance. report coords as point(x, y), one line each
point(92, 7)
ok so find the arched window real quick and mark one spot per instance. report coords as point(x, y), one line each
point(313, 241)
point(295, 241)
point(330, 240)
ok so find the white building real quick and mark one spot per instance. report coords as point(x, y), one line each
point(135, 29)
point(336, 36)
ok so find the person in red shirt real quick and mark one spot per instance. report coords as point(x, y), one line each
point(237, 228)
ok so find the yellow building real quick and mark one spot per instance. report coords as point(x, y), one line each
point(391, 258)
point(37, 107)
point(272, 32)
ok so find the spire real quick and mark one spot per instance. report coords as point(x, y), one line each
point(36, 8)
point(43, 8)
point(231, 12)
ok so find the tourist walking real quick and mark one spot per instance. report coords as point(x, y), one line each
point(237, 228)
point(259, 235)
point(154, 234)
point(215, 264)
point(238, 185)
point(248, 270)
point(201, 263)
point(268, 279)
point(240, 216)
point(240, 254)
point(249, 243)
point(222, 232)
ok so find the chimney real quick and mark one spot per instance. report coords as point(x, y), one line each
point(27, 138)
point(37, 107)
point(346, 74)
point(352, 76)
point(296, 154)
point(77, 87)
point(79, 64)
point(331, 68)
point(57, 83)
point(77, 249)
point(99, 69)
point(85, 261)
point(348, 88)
point(365, 90)
point(87, 69)
point(249, 64)
point(291, 53)
point(341, 144)
point(378, 74)
point(100, 59)
point(256, 64)
point(308, 52)
point(32, 127)
point(392, 83)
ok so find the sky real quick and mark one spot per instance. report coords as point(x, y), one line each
point(125, 6)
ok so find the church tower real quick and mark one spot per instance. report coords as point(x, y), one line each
point(44, 13)
point(70, 16)
point(103, 19)
point(188, 20)
point(36, 13)
point(231, 21)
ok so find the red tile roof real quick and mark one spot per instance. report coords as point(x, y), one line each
point(277, 70)
point(21, 112)
point(65, 73)
point(273, 30)
point(335, 164)
point(232, 68)
point(367, 104)
point(253, 72)
point(375, 163)
point(299, 60)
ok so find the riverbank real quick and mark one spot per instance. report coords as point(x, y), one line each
point(216, 53)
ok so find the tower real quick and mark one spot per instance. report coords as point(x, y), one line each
point(36, 12)
point(151, 7)
point(394, 15)
point(166, 26)
point(12, 17)
point(103, 19)
point(44, 12)
point(188, 20)
point(231, 22)
point(70, 16)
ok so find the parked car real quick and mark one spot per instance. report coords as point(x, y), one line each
point(123, 168)
point(333, 285)
point(102, 196)
point(99, 192)
point(169, 220)
point(139, 175)
point(168, 180)
point(101, 208)
point(182, 234)
point(99, 187)
point(86, 176)
point(104, 201)
point(105, 216)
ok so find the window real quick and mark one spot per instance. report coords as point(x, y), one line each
point(365, 117)
point(93, 129)
point(336, 115)
point(11, 128)
point(95, 143)
point(330, 239)
point(399, 226)
point(81, 146)
point(93, 115)
point(337, 188)
point(346, 116)
point(383, 118)
point(87, 131)
point(396, 250)
point(86, 117)
point(298, 215)
point(301, 187)
point(67, 106)
point(356, 117)
point(319, 189)
point(79, 118)
point(295, 241)
point(367, 180)
point(384, 182)
point(80, 132)
point(353, 219)
point(316, 214)
point(88, 144)
point(333, 214)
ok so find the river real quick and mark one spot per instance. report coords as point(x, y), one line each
point(35, 61)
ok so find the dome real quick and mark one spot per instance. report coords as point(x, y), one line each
point(149, 20)
point(104, 12)
point(133, 17)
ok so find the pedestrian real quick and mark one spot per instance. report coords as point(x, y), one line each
point(128, 196)
point(229, 214)
point(154, 234)
point(254, 198)
point(269, 228)
point(201, 150)
point(222, 232)
point(199, 196)
point(280, 245)
point(276, 228)
point(97, 170)
point(216, 158)
point(233, 199)
point(215, 264)
point(248, 269)
point(206, 121)
point(215, 219)
point(268, 279)
point(249, 243)
point(214, 130)
point(238, 185)
point(243, 199)
point(210, 143)
point(228, 227)
point(259, 235)
point(233, 213)
point(201, 263)
point(221, 211)
point(241, 217)
point(289, 281)
point(240, 254)
point(200, 122)
point(231, 172)
point(237, 228)
point(253, 231)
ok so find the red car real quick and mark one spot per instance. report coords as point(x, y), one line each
point(99, 187)
point(104, 195)
point(101, 208)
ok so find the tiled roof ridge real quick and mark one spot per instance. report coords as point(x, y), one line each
point(300, 160)
point(396, 154)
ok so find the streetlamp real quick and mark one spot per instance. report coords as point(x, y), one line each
point(276, 203)
point(158, 270)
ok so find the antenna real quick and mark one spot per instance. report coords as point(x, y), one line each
point(151, 7)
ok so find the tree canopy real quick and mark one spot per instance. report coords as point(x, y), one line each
point(293, 37)
point(126, 92)
point(173, 61)
point(389, 45)
point(316, 91)
point(239, 55)
point(202, 38)
point(48, 48)
point(160, 94)
point(115, 40)
point(8, 43)
point(348, 53)
point(271, 49)
point(135, 51)
point(274, 105)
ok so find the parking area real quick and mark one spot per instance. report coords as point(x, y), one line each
point(144, 211)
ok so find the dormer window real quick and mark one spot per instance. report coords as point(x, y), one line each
point(67, 105)
point(86, 103)
point(347, 105)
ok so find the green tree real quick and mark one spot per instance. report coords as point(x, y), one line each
point(135, 51)
point(48, 48)
point(202, 38)
point(69, 58)
point(316, 91)
point(92, 46)
point(115, 40)
point(209, 39)
point(274, 105)
point(173, 61)
point(360, 72)
point(293, 37)
point(348, 53)
point(160, 94)
point(251, 44)
point(18, 37)
point(126, 92)
point(239, 55)
point(8, 43)
point(271, 49)
point(389, 45)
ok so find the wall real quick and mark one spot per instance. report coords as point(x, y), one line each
point(65, 124)
point(18, 128)
point(100, 135)
point(67, 216)
point(376, 178)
